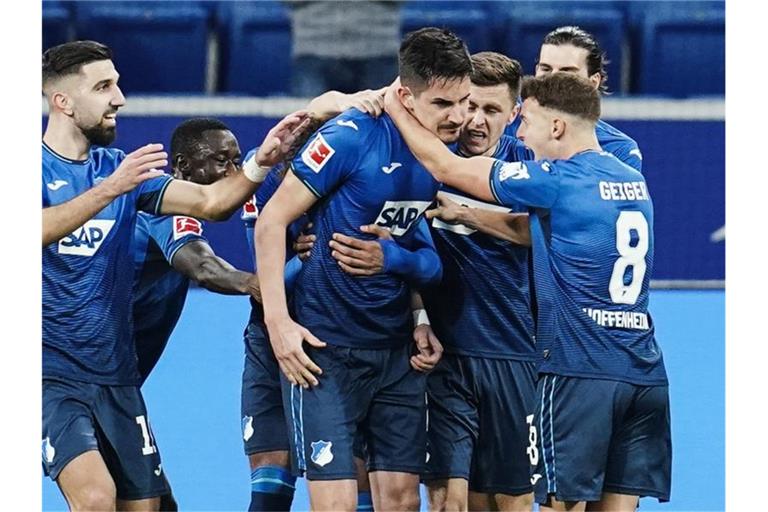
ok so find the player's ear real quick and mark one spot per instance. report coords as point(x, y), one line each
point(63, 103)
point(595, 79)
point(180, 165)
point(513, 115)
point(406, 96)
point(557, 128)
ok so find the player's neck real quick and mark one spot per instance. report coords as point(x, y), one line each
point(66, 139)
point(579, 142)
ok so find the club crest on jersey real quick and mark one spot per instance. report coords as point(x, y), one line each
point(514, 170)
point(399, 216)
point(250, 211)
point(183, 226)
point(247, 427)
point(321, 452)
point(86, 240)
point(317, 153)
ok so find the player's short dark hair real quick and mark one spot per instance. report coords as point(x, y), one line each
point(565, 92)
point(188, 134)
point(431, 54)
point(580, 38)
point(68, 58)
point(491, 68)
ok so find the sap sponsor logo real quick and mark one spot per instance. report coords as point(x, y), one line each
point(391, 168)
point(623, 191)
point(348, 124)
point(56, 185)
point(399, 216)
point(247, 427)
point(317, 153)
point(86, 240)
point(514, 170)
point(183, 226)
point(321, 452)
point(49, 452)
point(250, 211)
point(461, 229)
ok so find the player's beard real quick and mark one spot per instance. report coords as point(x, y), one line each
point(99, 135)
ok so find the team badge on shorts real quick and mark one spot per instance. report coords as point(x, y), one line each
point(247, 427)
point(321, 452)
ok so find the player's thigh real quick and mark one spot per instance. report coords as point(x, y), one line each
point(613, 502)
point(554, 505)
point(447, 494)
point(128, 445)
point(507, 503)
point(86, 483)
point(145, 505)
point(68, 429)
point(263, 419)
point(395, 490)
point(507, 392)
point(332, 495)
point(570, 436)
point(452, 421)
point(395, 427)
point(275, 458)
point(640, 459)
point(323, 420)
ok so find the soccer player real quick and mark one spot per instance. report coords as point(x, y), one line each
point(358, 329)
point(484, 387)
point(600, 435)
point(573, 50)
point(97, 440)
point(171, 250)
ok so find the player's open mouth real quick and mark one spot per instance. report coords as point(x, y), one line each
point(477, 136)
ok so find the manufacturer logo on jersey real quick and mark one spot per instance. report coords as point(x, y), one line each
point(535, 478)
point(321, 452)
point(183, 226)
point(249, 209)
point(86, 240)
point(56, 185)
point(348, 124)
point(159, 470)
point(247, 427)
point(514, 170)
point(391, 168)
point(49, 452)
point(399, 216)
point(637, 153)
point(545, 166)
point(317, 153)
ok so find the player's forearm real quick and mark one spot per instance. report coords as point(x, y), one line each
point(506, 226)
point(420, 267)
point(218, 276)
point(227, 195)
point(326, 106)
point(63, 219)
point(270, 247)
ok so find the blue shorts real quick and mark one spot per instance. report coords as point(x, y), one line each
point(79, 417)
point(477, 428)
point(590, 436)
point(264, 425)
point(365, 396)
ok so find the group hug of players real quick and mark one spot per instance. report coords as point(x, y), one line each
point(452, 288)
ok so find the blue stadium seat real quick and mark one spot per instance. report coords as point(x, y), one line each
point(159, 47)
point(682, 53)
point(57, 25)
point(525, 26)
point(469, 24)
point(255, 49)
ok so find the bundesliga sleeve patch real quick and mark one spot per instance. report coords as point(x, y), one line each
point(183, 226)
point(250, 211)
point(317, 154)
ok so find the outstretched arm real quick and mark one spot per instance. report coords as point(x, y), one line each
point(136, 167)
point(197, 261)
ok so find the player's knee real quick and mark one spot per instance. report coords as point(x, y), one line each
point(520, 503)
point(93, 497)
point(274, 458)
point(454, 503)
point(401, 498)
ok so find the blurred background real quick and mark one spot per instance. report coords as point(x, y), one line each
point(250, 62)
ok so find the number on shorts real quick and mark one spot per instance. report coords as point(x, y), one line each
point(533, 439)
point(629, 257)
point(149, 445)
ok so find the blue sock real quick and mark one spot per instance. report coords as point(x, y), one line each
point(364, 502)
point(272, 489)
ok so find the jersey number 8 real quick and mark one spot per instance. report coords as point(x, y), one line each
point(630, 256)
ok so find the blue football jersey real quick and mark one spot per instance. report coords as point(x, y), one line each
point(159, 290)
point(88, 275)
point(592, 234)
point(482, 306)
point(362, 172)
point(610, 138)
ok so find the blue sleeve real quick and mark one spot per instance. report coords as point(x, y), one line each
point(420, 266)
point(330, 156)
point(630, 154)
point(149, 194)
point(292, 269)
point(531, 184)
point(172, 232)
